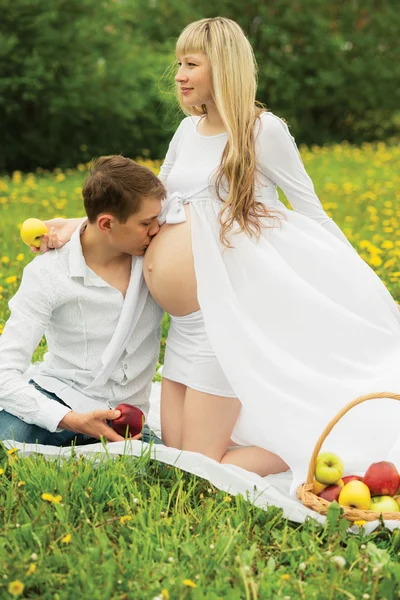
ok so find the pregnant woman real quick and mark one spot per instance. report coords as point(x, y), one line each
point(276, 322)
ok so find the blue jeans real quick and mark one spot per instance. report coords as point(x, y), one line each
point(12, 428)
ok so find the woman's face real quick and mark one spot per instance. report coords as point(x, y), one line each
point(194, 79)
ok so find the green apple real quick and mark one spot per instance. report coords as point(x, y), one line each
point(32, 231)
point(329, 468)
point(356, 495)
point(382, 504)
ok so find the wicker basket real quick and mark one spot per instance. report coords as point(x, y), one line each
point(305, 491)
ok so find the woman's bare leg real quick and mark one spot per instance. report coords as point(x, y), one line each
point(252, 458)
point(208, 422)
point(171, 410)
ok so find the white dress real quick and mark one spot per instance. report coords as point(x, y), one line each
point(302, 325)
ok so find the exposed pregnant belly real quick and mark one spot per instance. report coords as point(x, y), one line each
point(169, 269)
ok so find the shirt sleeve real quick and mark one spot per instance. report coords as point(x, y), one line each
point(31, 310)
point(279, 159)
point(172, 152)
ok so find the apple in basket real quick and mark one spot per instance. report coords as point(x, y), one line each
point(331, 492)
point(355, 494)
point(131, 417)
point(382, 504)
point(349, 478)
point(329, 468)
point(382, 478)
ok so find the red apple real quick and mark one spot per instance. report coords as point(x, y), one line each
point(330, 493)
point(351, 478)
point(382, 478)
point(131, 417)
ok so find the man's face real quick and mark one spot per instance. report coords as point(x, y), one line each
point(135, 235)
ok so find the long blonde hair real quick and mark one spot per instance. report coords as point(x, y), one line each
point(234, 83)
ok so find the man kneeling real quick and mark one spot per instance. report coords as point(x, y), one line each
point(102, 326)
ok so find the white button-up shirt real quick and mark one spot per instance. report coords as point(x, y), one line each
point(102, 348)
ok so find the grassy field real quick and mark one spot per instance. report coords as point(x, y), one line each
point(133, 529)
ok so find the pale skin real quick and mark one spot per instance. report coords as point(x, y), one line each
point(108, 247)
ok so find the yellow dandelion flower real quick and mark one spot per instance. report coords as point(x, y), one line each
point(20, 256)
point(31, 569)
point(1, 471)
point(389, 263)
point(375, 261)
point(51, 498)
point(189, 583)
point(12, 451)
point(66, 539)
point(387, 244)
point(21, 483)
point(60, 177)
point(360, 522)
point(5, 259)
point(165, 594)
point(285, 577)
point(16, 588)
point(125, 518)
point(11, 279)
point(227, 499)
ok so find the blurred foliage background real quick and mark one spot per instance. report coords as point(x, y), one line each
point(81, 78)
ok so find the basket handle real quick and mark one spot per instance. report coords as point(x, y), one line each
point(332, 423)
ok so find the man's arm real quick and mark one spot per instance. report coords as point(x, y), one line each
point(31, 310)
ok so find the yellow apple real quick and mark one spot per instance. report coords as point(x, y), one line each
point(32, 231)
point(318, 487)
point(329, 468)
point(356, 495)
point(381, 504)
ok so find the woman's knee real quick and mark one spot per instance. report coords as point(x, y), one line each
point(208, 423)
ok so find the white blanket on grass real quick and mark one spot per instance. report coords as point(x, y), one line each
point(273, 490)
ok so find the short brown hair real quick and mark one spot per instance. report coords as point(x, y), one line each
point(118, 185)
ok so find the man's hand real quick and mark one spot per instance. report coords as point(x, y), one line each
point(94, 423)
point(60, 231)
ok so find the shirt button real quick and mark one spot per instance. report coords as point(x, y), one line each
point(125, 365)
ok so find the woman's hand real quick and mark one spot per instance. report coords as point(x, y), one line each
point(94, 423)
point(60, 232)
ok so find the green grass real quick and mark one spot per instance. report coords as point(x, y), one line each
point(180, 537)
point(140, 529)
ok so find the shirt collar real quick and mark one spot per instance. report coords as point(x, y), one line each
point(77, 264)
